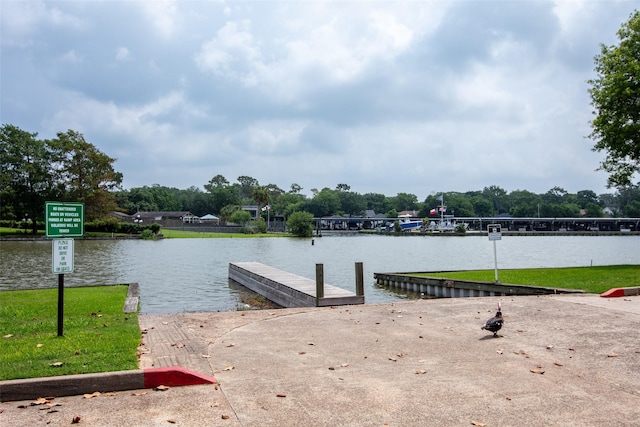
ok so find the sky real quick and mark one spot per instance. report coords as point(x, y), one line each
point(387, 97)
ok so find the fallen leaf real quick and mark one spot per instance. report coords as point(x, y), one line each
point(400, 355)
point(39, 401)
point(110, 394)
point(138, 393)
point(165, 323)
point(225, 417)
point(56, 364)
point(499, 351)
point(612, 354)
point(302, 352)
point(281, 395)
point(8, 336)
point(537, 371)
point(75, 420)
point(344, 365)
point(557, 363)
point(393, 359)
point(231, 345)
point(39, 345)
point(177, 345)
point(331, 368)
point(161, 388)
point(421, 372)
point(310, 343)
point(94, 394)
point(478, 423)
point(171, 421)
point(229, 368)
point(549, 347)
point(206, 356)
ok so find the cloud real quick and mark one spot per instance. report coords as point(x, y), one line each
point(387, 97)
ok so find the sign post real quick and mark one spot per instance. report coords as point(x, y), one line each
point(63, 221)
point(495, 233)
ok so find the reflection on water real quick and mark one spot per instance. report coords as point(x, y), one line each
point(178, 275)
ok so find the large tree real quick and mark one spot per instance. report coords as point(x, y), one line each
point(615, 95)
point(86, 173)
point(27, 180)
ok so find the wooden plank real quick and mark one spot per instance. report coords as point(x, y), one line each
point(288, 289)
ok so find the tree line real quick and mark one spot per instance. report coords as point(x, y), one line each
point(68, 168)
point(223, 198)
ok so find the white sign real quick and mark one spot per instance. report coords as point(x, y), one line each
point(62, 256)
point(494, 232)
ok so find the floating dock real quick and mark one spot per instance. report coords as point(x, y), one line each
point(288, 289)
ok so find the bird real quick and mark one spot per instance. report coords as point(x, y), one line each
point(495, 323)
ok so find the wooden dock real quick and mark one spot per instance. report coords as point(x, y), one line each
point(288, 289)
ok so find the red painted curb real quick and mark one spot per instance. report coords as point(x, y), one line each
point(174, 376)
point(615, 292)
point(622, 292)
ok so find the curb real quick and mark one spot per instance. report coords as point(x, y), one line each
point(69, 385)
point(621, 292)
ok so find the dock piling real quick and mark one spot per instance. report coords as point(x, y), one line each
point(359, 279)
point(319, 283)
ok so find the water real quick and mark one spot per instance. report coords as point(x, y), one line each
point(177, 275)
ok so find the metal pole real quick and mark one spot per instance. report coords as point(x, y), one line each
point(60, 304)
point(495, 260)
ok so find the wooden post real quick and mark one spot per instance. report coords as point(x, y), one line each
point(359, 279)
point(319, 283)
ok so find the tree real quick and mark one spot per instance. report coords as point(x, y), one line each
point(498, 197)
point(615, 95)
point(324, 203)
point(27, 179)
point(246, 187)
point(300, 224)
point(240, 217)
point(86, 173)
point(404, 202)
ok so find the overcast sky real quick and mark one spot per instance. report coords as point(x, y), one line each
point(384, 96)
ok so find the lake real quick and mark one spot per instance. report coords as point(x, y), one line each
point(185, 275)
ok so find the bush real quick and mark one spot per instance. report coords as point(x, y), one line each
point(300, 224)
point(147, 235)
point(107, 224)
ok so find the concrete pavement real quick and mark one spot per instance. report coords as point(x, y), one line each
point(561, 360)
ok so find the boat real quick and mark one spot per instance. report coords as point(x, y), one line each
point(408, 224)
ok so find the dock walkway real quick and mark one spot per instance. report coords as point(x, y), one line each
point(288, 289)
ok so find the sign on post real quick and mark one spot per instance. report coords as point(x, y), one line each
point(64, 219)
point(495, 233)
point(62, 256)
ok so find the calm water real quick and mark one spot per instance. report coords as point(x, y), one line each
point(178, 275)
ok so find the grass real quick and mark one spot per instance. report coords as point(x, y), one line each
point(590, 279)
point(180, 234)
point(98, 335)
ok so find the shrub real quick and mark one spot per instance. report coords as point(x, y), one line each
point(147, 235)
point(300, 224)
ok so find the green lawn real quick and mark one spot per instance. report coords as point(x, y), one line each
point(98, 335)
point(589, 279)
